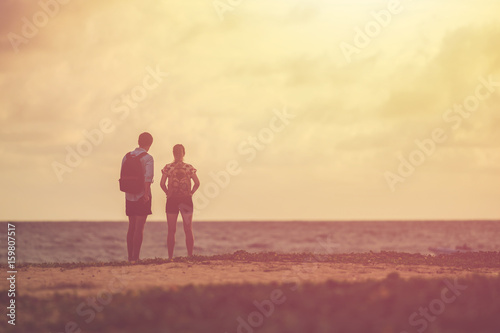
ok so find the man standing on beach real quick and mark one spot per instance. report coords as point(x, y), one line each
point(138, 203)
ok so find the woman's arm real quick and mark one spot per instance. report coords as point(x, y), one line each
point(163, 182)
point(196, 183)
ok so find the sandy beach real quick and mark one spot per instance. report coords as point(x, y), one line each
point(243, 292)
point(40, 282)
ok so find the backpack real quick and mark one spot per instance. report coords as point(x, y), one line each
point(132, 174)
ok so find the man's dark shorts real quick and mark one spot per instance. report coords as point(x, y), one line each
point(138, 208)
point(182, 204)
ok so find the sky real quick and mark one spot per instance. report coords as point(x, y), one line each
point(288, 109)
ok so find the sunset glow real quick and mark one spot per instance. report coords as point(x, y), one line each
point(302, 109)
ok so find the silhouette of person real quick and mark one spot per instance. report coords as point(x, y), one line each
point(179, 197)
point(138, 205)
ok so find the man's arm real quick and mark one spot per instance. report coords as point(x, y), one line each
point(147, 191)
point(148, 177)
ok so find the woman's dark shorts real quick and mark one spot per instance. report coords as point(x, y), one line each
point(138, 208)
point(179, 204)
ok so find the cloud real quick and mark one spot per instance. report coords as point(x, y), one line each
point(464, 55)
point(226, 78)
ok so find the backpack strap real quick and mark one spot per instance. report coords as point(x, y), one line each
point(129, 155)
point(141, 155)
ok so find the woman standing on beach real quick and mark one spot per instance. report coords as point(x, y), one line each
point(179, 197)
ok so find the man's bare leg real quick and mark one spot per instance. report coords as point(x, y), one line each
point(130, 237)
point(172, 224)
point(140, 221)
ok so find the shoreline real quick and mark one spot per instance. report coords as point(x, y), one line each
point(466, 259)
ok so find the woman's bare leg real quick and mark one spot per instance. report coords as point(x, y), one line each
point(172, 223)
point(187, 219)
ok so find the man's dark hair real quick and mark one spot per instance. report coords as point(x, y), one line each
point(145, 139)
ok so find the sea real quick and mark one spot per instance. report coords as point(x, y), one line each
point(64, 242)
